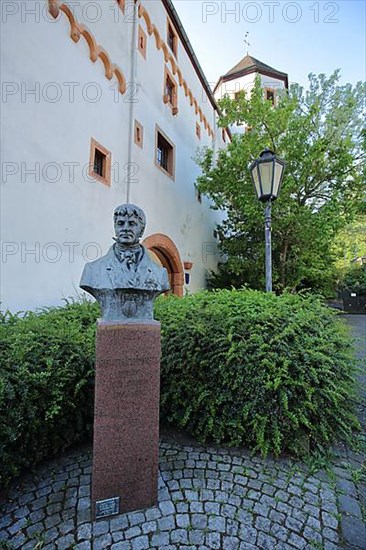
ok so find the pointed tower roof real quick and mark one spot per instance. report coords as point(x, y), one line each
point(249, 65)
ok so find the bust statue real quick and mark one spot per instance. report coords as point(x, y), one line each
point(125, 281)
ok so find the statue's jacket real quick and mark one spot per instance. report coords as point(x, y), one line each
point(111, 273)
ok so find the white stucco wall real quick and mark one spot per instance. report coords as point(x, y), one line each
point(56, 219)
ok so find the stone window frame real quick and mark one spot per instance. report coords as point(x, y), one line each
point(172, 43)
point(172, 102)
point(141, 46)
point(106, 177)
point(271, 91)
point(139, 134)
point(170, 172)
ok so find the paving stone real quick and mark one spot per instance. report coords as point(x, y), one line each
point(248, 534)
point(66, 527)
point(121, 546)
point(312, 536)
point(213, 540)
point(132, 532)
point(330, 534)
point(349, 505)
point(152, 513)
point(348, 487)
point(64, 543)
point(160, 539)
point(83, 546)
point(297, 541)
point(261, 509)
point(100, 528)
point(34, 530)
point(329, 520)
point(103, 542)
point(84, 532)
point(18, 541)
point(149, 527)
point(353, 531)
point(52, 521)
point(38, 503)
point(230, 543)
point(217, 523)
point(167, 508)
point(121, 522)
point(212, 507)
point(179, 536)
point(166, 524)
point(140, 543)
point(279, 532)
point(50, 535)
point(196, 507)
point(266, 542)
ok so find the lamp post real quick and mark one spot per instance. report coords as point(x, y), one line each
point(267, 174)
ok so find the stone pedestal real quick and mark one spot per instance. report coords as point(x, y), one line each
point(126, 424)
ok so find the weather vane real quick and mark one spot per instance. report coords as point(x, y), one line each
point(246, 41)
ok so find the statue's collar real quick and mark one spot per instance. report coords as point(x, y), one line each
point(130, 254)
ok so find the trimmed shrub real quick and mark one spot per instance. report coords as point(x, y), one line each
point(249, 368)
point(46, 384)
point(238, 368)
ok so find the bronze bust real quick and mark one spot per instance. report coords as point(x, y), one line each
point(125, 281)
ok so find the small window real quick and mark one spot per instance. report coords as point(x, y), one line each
point(198, 130)
point(237, 96)
point(170, 91)
point(164, 153)
point(172, 39)
point(139, 134)
point(270, 95)
point(142, 41)
point(100, 163)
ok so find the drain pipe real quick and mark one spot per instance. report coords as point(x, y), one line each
point(133, 86)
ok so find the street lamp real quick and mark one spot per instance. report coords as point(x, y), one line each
point(267, 174)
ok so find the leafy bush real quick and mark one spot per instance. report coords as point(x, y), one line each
point(245, 367)
point(238, 367)
point(46, 383)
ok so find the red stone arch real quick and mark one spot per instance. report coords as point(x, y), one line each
point(166, 251)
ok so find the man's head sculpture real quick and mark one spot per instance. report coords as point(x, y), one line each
point(126, 281)
point(129, 224)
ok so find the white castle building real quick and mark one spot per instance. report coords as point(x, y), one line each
point(103, 103)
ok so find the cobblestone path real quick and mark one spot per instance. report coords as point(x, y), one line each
point(209, 498)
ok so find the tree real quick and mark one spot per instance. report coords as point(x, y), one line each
point(319, 134)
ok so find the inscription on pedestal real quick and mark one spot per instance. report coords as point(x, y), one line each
point(108, 507)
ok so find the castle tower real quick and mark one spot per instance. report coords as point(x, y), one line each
point(242, 77)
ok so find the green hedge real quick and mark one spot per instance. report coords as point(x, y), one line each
point(244, 367)
point(238, 367)
point(46, 384)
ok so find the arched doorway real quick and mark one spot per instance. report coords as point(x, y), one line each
point(164, 252)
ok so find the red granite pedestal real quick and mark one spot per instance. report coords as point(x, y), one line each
point(126, 424)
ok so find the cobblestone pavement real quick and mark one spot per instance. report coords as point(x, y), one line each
point(209, 498)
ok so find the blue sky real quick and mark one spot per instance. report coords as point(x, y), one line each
point(295, 37)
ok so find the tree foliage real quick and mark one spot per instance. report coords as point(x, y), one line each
point(319, 133)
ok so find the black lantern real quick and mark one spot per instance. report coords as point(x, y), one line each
point(267, 174)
